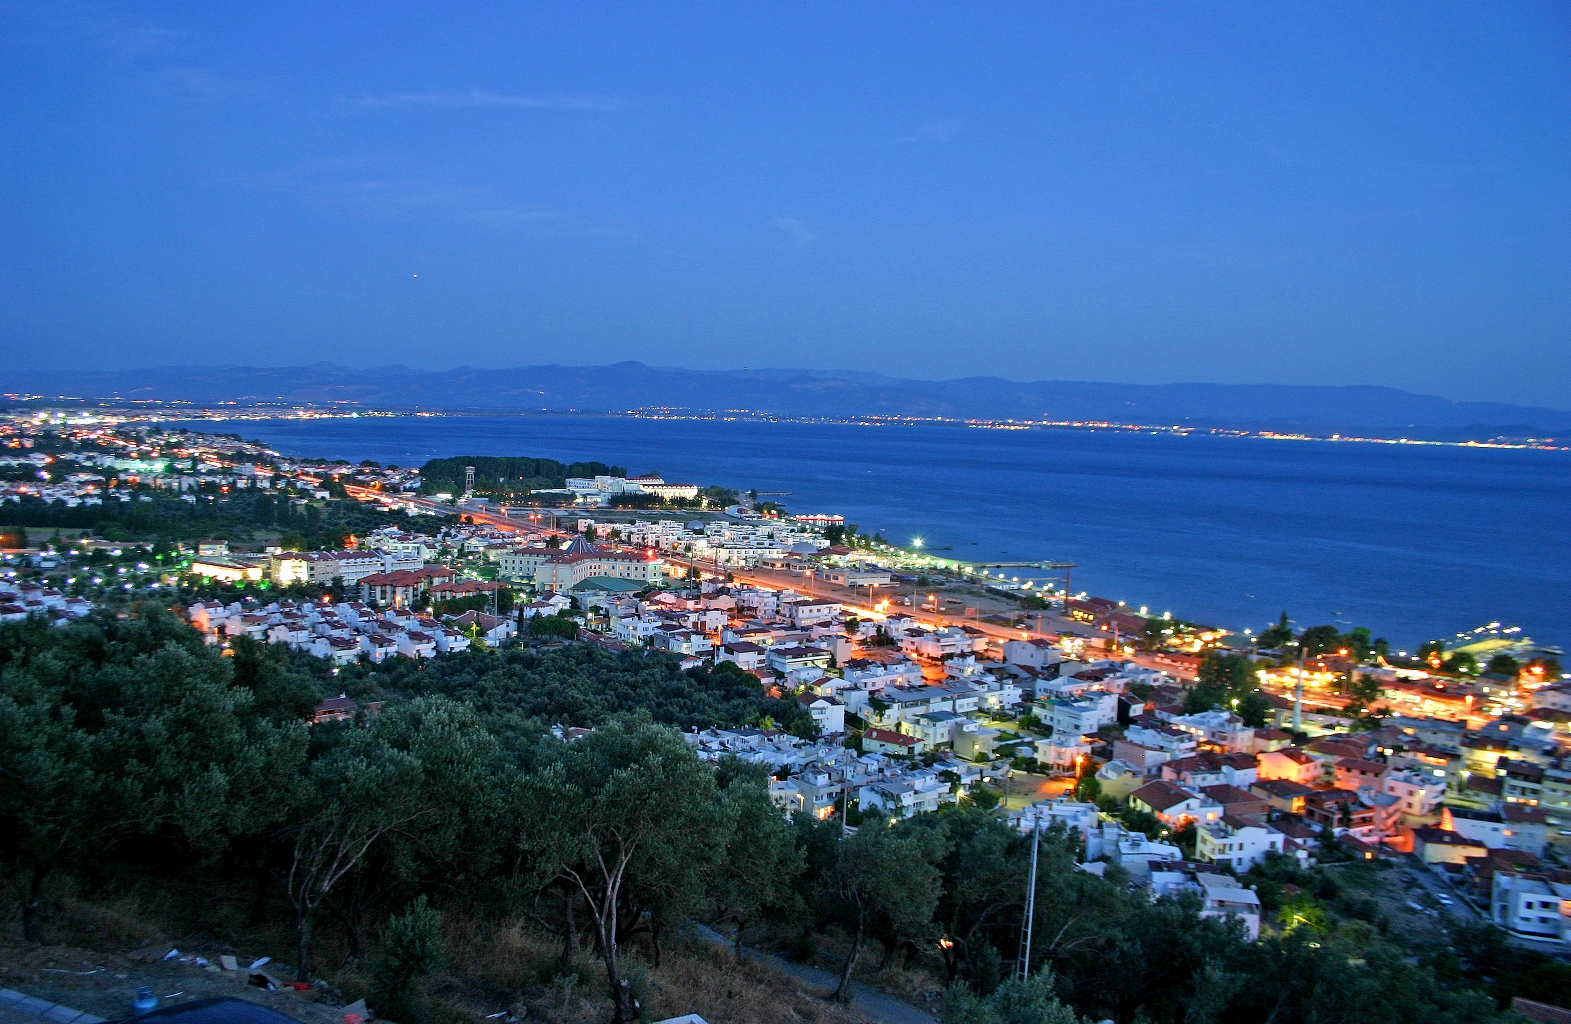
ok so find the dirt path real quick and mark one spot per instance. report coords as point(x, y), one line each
point(876, 1005)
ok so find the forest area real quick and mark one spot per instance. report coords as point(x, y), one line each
point(391, 855)
point(234, 516)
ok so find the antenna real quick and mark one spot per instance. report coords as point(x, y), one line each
point(1030, 916)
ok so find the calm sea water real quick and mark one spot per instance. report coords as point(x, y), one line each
point(1416, 543)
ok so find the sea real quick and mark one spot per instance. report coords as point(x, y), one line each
point(1416, 542)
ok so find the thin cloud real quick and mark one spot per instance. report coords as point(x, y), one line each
point(798, 233)
point(482, 98)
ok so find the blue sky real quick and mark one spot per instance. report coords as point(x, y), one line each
point(1318, 193)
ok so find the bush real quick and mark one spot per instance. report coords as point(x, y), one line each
point(411, 951)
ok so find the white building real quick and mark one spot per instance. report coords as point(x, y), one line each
point(1532, 906)
point(1238, 846)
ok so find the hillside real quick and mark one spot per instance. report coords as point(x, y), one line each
point(1365, 409)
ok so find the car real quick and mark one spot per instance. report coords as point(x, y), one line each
point(1443, 898)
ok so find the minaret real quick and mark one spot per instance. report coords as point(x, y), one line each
point(1298, 695)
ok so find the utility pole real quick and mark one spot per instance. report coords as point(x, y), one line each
point(1030, 916)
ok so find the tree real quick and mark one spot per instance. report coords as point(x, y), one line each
point(758, 874)
point(115, 728)
point(411, 951)
point(553, 625)
point(1505, 665)
point(358, 793)
point(886, 877)
point(627, 811)
point(1318, 640)
point(1278, 635)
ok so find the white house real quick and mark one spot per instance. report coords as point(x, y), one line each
point(1239, 846)
point(828, 712)
point(1532, 905)
point(743, 654)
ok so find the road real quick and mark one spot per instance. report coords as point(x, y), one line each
point(852, 599)
point(878, 1006)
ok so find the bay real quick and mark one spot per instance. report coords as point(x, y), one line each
point(1415, 542)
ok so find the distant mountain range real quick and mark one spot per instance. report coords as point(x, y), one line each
point(622, 387)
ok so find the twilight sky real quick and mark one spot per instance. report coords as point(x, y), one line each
point(1317, 193)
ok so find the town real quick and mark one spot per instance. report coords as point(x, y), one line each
point(1181, 758)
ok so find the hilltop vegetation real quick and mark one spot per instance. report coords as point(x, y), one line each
point(506, 476)
point(133, 758)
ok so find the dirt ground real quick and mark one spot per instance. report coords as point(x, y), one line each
point(105, 983)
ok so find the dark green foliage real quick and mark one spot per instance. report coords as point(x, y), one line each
point(584, 685)
point(506, 475)
point(553, 625)
point(214, 515)
point(411, 951)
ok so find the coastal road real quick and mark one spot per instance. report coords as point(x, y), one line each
point(851, 600)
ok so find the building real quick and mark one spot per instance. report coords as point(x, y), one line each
point(1174, 805)
point(402, 588)
point(1440, 846)
point(885, 741)
point(829, 713)
point(225, 570)
point(582, 560)
point(1294, 765)
point(1509, 827)
point(1532, 905)
point(1236, 843)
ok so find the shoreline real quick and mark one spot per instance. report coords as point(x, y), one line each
point(163, 413)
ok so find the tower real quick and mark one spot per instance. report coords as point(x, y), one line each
point(469, 481)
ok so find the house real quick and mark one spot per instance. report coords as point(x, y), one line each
point(1084, 716)
point(794, 658)
point(1355, 773)
point(744, 655)
point(1148, 760)
point(829, 713)
point(885, 741)
point(378, 647)
point(403, 587)
point(340, 650)
point(812, 612)
point(226, 570)
point(936, 728)
point(1439, 846)
point(1221, 896)
point(1419, 797)
point(335, 709)
point(1338, 808)
point(1237, 803)
point(1533, 905)
point(493, 629)
point(1119, 778)
point(547, 605)
point(1291, 764)
point(1283, 795)
point(451, 641)
point(1172, 804)
point(973, 740)
point(416, 644)
point(901, 798)
point(1509, 827)
point(1236, 843)
point(1031, 653)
